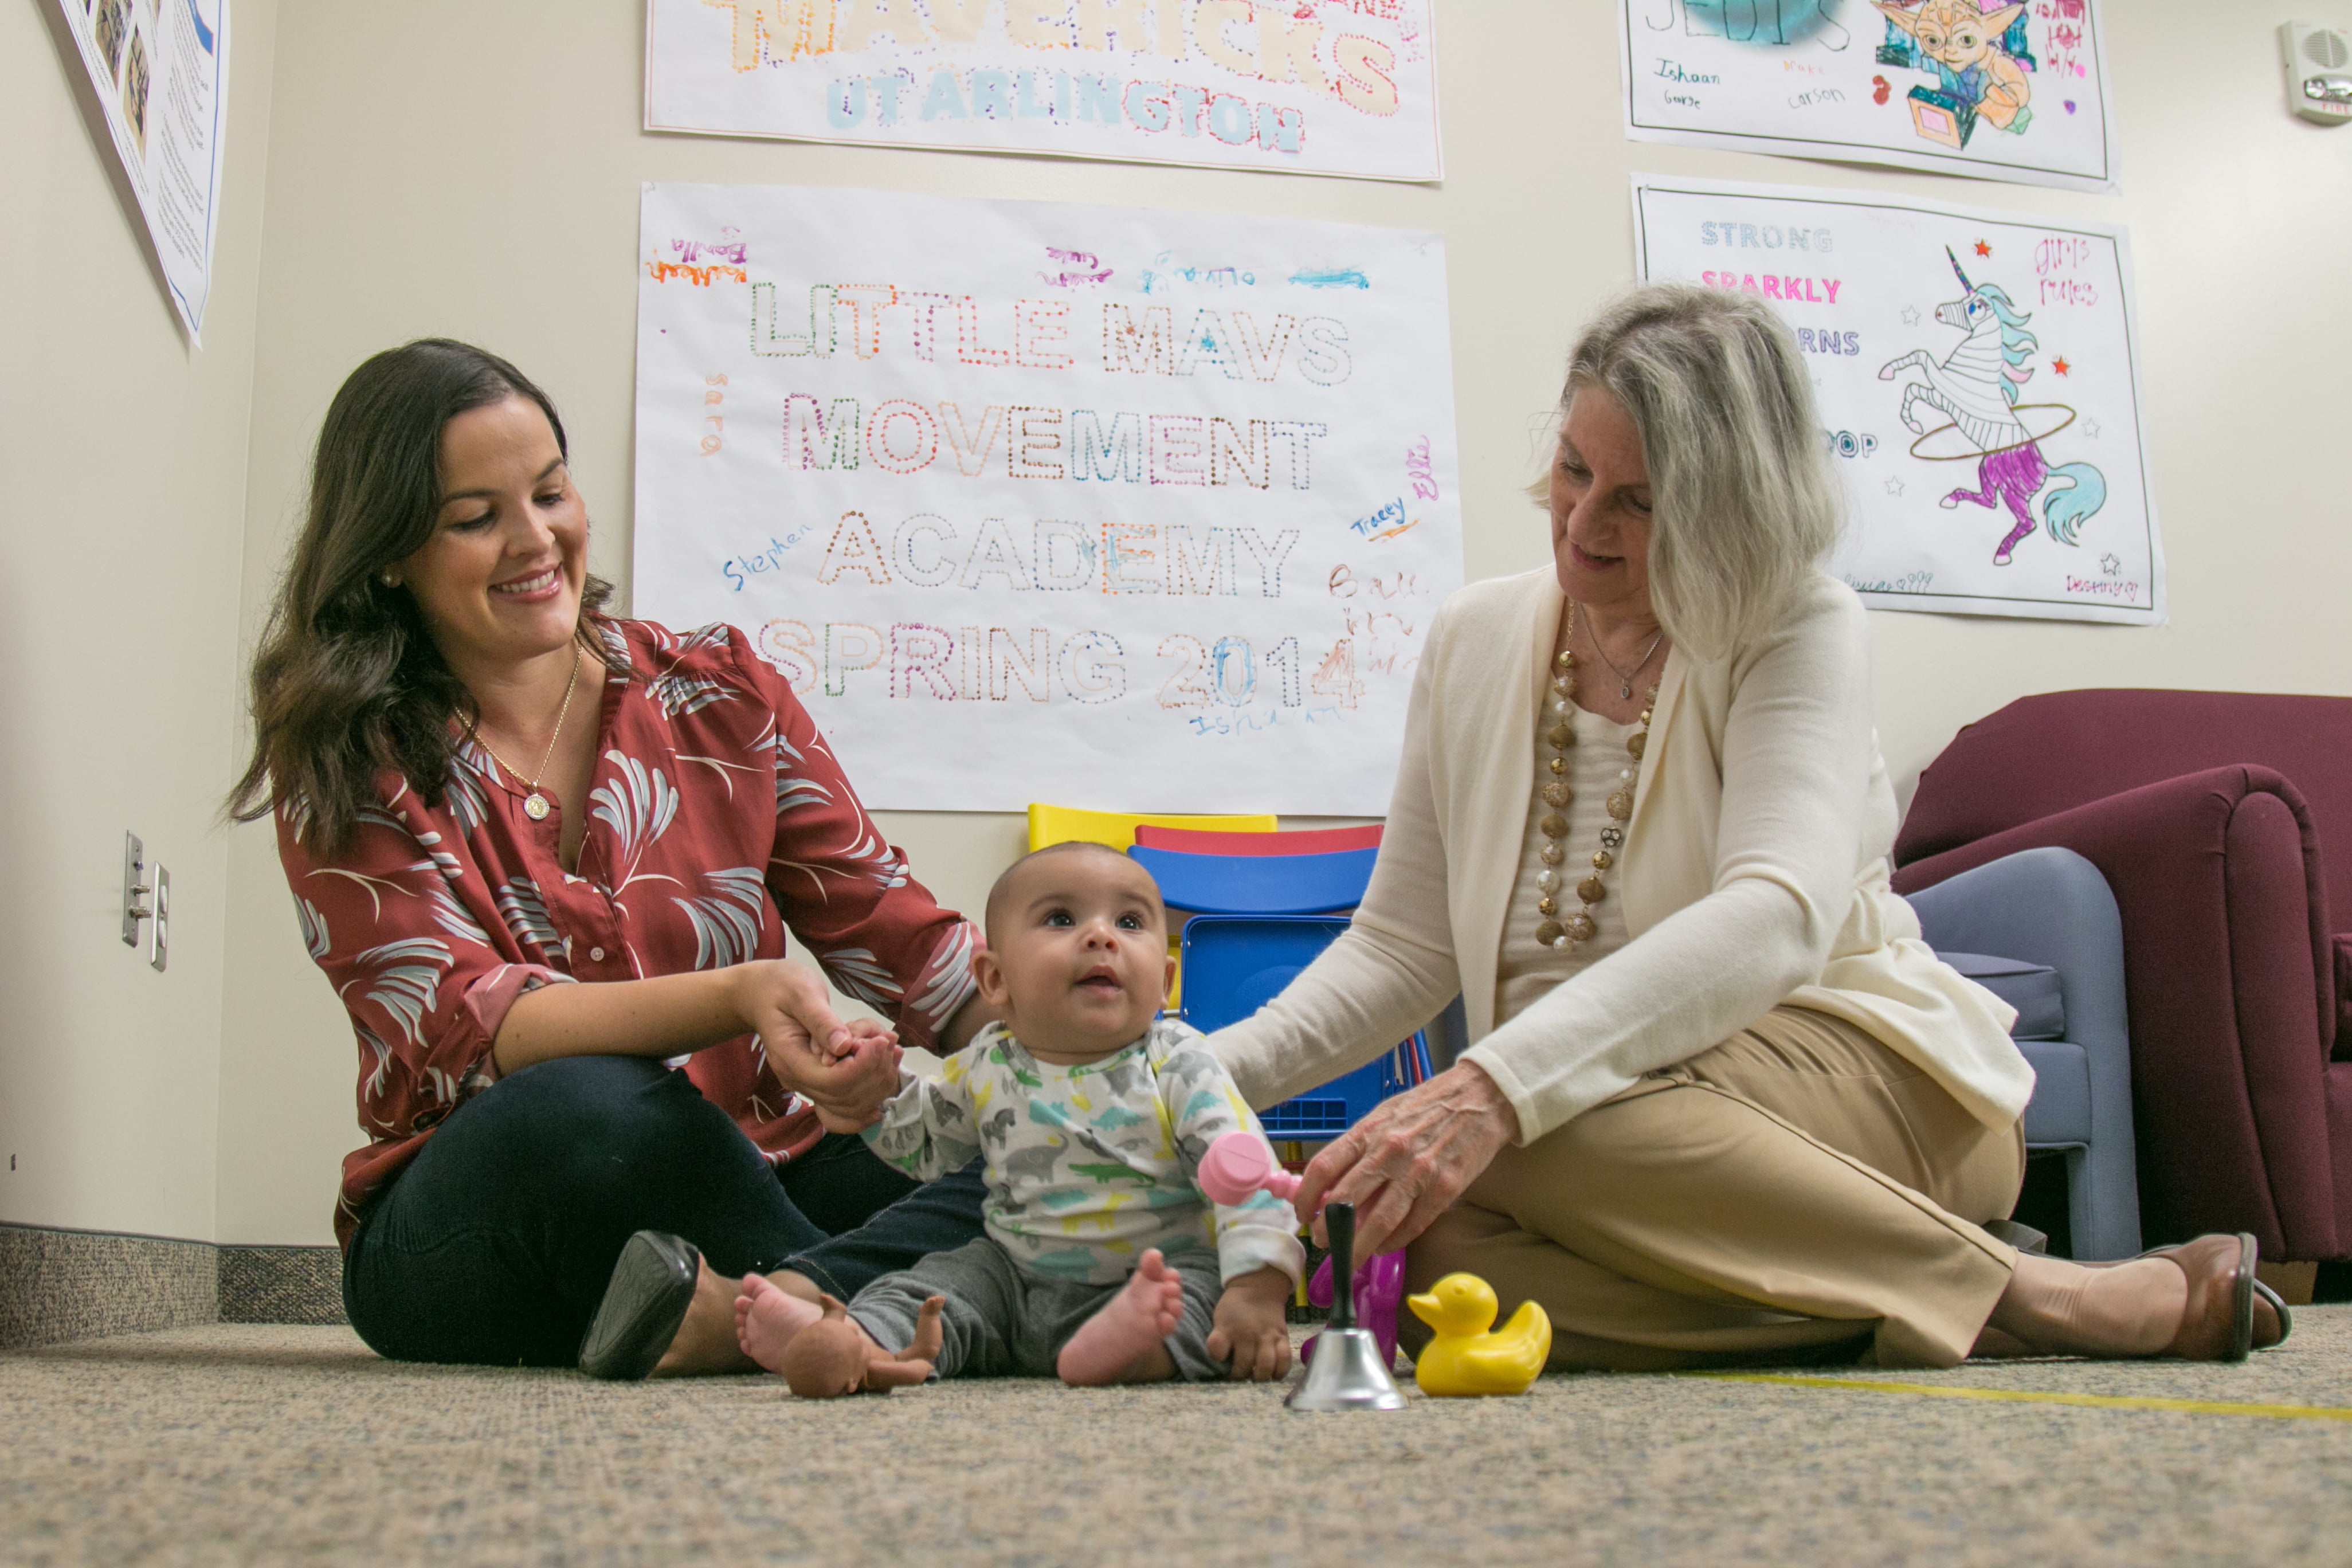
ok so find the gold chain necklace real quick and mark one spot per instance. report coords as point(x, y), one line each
point(535, 804)
point(1580, 927)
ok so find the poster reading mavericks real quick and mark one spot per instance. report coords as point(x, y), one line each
point(160, 70)
point(1978, 388)
point(1998, 90)
point(1323, 86)
point(1105, 506)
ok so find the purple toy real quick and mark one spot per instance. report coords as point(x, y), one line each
point(1380, 1288)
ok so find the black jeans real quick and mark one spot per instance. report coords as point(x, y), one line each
point(494, 1245)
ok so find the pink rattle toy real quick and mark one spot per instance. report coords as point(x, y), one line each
point(1239, 1165)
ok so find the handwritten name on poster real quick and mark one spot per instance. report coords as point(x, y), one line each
point(160, 74)
point(1979, 384)
point(1033, 501)
point(1325, 87)
point(1996, 91)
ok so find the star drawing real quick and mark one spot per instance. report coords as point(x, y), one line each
point(2109, 565)
point(2091, 428)
point(1893, 486)
point(1983, 249)
point(1910, 315)
point(2059, 365)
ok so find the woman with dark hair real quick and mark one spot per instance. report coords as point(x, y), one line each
point(547, 858)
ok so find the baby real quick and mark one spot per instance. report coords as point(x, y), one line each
point(1102, 1262)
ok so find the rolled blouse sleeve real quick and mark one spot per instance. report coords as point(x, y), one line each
point(846, 891)
point(396, 923)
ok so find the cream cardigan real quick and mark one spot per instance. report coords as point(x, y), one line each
point(1754, 873)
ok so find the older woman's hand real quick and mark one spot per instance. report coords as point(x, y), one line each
point(1405, 1164)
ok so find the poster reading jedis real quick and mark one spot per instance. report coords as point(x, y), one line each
point(1978, 381)
point(1049, 501)
point(1994, 89)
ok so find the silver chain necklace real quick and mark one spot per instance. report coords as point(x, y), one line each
point(1625, 677)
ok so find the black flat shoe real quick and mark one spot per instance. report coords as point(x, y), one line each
point(652, 1284)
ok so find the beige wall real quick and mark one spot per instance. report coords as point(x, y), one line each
point(122, 458)
point(456, 168)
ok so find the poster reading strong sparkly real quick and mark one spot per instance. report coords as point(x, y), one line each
point(1146, 510)
point(1978, 381)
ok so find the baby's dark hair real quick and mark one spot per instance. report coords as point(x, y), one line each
point(1075, 845)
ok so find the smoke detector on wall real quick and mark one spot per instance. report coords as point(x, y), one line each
point(2318, 72)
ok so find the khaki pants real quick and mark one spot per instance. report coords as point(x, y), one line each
point(1798, 1191)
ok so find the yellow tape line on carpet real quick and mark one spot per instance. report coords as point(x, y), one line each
point(2035, 1396)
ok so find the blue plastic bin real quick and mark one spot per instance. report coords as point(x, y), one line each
point(1234, 965)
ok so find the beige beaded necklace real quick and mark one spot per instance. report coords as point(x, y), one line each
point(1580, 927)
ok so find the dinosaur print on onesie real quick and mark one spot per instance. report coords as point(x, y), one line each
point(1090, 1165)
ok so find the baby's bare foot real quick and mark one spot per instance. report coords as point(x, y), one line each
point(1121, 1343)
point(767, 1318)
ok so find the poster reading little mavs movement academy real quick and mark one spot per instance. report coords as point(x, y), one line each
point(1035, 501)
point(1326, 87)
point(1977, 382)
point(1998, 90)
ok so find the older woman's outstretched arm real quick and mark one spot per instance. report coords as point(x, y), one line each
point(1389, 972)
point(1796, 773)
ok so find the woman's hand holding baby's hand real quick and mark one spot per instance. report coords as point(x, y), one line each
point(849, 1090)
point(1251, 1333)
point(845, 1070)
point(867, 1069)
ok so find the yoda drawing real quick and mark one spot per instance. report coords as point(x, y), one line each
point(1979, 77)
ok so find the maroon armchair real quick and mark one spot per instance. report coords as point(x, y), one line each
point(2222, 822)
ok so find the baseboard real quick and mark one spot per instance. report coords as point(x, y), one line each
point(281, 1285)
point(60, 1285)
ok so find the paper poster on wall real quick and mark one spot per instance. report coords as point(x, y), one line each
point(1992, 91)
point(160, 68)
point(1323, 86)
point(1132, 508)
point(1978, 381)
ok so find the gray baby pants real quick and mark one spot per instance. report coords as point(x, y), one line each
point(1001, 1322)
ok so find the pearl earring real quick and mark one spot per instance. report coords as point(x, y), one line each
point(390, 581)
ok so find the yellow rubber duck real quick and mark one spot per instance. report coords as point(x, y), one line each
point(1462, 1358)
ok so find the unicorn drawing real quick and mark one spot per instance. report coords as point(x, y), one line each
point(1973, 393)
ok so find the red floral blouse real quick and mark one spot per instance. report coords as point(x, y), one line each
point(716, 818)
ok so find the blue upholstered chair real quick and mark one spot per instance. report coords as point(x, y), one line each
point(2039, 928)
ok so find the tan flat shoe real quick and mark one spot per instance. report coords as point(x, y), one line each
point(2273, 1323)
point(2219, 1324)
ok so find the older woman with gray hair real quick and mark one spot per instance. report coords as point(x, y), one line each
point(1722, 1103)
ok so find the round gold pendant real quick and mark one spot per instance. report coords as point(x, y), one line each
point(535, 807)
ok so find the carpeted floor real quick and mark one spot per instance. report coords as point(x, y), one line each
point(277, 1445)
